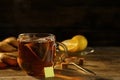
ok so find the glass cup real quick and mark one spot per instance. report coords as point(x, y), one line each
point(37, 51)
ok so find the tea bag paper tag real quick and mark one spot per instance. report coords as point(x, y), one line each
point(49, 71)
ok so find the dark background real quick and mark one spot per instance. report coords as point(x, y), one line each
point(98, 20)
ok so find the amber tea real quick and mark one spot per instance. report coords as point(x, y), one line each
point(35, 54)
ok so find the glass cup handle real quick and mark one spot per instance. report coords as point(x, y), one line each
point(63, 54)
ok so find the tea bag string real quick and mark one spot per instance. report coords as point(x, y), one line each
point(46, 52)
point(31, 50)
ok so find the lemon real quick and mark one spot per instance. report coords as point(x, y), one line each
point(82, 42)
point(76, 43)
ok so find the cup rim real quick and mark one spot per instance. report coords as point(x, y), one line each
point(49, 34)
point(44, 34)
point(36, 35)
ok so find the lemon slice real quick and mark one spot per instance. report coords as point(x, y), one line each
point(72, 45)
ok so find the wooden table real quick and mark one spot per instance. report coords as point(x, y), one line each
point(105, 62)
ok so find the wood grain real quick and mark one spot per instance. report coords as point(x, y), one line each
point(104, 62)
